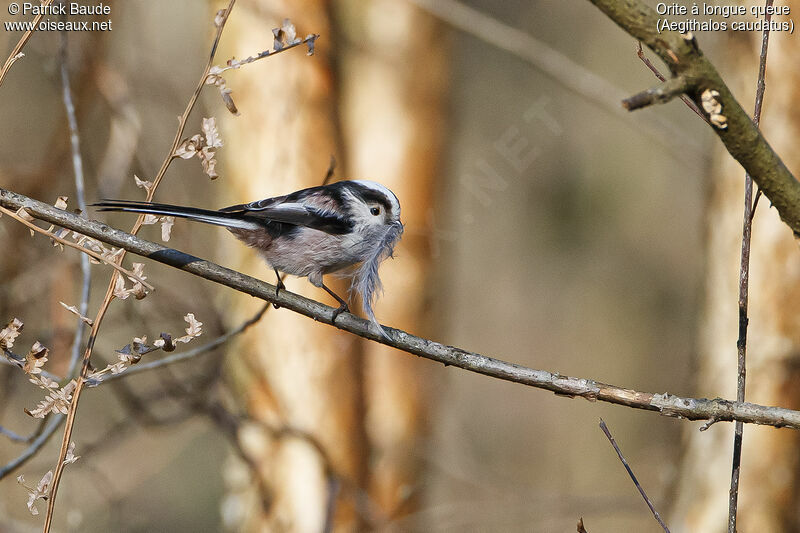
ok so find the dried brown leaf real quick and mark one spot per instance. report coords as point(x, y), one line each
point(117, 368)
point(40, 492)
point(119, 289)
point(57, 401)
point(209, 163)
point(194, 330)
point(166, 227)
point(24, 215)
point(165, 343)
point(219, 18)
point(44, 382)
point(138, 291)
point(35, 359)
point(189, 147)
point(10, 333)
point(138, 271)
point(310, 41)
point(142, 184)
point(211, 133)
point(227, 99)
point(21, 213)
point(290, 31)
point(278, 41)
point(71, 457)
point(74, 310)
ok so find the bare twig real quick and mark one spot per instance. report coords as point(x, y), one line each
point(741, 137)
point(649, 503)
point(657, 95)
point(235, 64)
point(71, 244)
point(80, 197)
point(189, 354)
point(12, 359)
point(36, 445)
point(665, 404)
point(649, 64)
point(330, 171)
point(16, 53)
point(13, 436)
point(744, 281)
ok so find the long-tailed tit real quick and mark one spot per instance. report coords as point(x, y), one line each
point(347, 226)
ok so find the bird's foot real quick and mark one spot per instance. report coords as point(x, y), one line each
point(278, 287)
point(343, 308)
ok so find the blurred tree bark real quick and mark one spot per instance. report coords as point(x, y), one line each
point(392, 81)
point(769, 484)
point(291, 374)
point(353, 410)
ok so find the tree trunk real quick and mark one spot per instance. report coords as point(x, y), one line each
point(768, 493)
point(301, 380)
point(330, 404)
point(392, 122)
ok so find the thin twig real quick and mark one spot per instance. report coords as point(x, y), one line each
point(12, 359)
point(71, 244)
point(236, 64)
point(632, 475)
point(16, 53)
point(13, 436)
point(220, 20)
point(189, 354)
point(649, 64)
point(744, 281)
point(16, 437)
point(35, 446)
point(665, 404)
point(330, 171)
point(80, 198)
point(657, 95)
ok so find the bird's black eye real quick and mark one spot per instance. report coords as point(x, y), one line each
point(375, 211)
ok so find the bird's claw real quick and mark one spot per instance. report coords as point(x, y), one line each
point(280, 286)
point(339, 310)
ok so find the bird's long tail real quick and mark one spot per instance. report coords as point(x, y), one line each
point(218, 218)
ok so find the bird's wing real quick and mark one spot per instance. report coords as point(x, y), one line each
point(301, 213)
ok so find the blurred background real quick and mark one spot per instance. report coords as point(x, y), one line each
point(544, 226)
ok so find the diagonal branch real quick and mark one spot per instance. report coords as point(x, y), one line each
point(70, 244)
point(628, 468)
point(665, 404)
point(16, 53)
point(741, 137)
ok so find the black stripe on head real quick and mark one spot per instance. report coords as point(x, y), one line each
point(369, 195)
